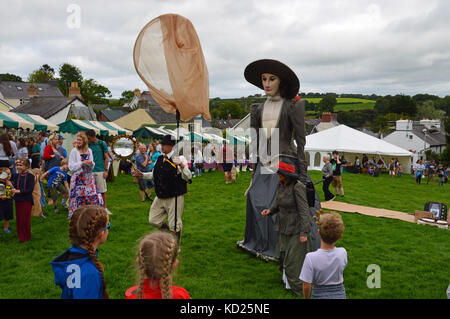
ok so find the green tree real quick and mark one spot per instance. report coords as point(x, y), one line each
point(68, 73)
point(42, 75)
point(445, 156)
point(231, 108)
point(380, 125)
point(215, 114)
point(427, 111)
point(10, 77)
point(382, 105)
point(94, 93)
point(327, 103)
point(309, 106)
point(420, 98)
point(403, 104)
point(444, 104)
point(127, 95)
point(447, 130)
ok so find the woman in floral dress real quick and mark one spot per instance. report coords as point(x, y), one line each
point(83, 190)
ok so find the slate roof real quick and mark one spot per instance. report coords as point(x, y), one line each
point(49, 106)
point(434, 138)
point(310, 124)
point(113, 115)
point(148, 98)
point(162, 117)
point(223, 124)
point(18, 90)
point(100, 106)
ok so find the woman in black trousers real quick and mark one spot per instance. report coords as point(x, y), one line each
point(327, 175)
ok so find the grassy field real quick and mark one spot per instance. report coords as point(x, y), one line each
point(347, 104)
point(413, 258)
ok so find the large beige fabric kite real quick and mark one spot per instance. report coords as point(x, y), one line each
point(169, 59)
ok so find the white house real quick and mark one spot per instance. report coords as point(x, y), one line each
point(60, 108)
point(418, 137)
point(140, 98)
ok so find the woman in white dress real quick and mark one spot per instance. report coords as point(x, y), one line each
point(83, 190)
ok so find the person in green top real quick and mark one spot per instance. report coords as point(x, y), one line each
point(100, 154)
point(35, 153)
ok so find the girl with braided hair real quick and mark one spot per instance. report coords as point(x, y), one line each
point(78, 271)
point(157, 257)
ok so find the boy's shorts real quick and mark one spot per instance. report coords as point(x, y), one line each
point(100, 181)
point(54, 191)
point(337, 181)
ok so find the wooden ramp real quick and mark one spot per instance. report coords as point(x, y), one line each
point(365, 210)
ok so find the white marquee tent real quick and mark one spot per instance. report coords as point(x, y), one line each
point(351, 143)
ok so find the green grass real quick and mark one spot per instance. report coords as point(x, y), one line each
point(340, 100)
point(347, 104)
point(398, 193)
point(413, 258)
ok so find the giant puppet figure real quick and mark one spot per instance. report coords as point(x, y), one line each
point(279, 122)
point(169, 59)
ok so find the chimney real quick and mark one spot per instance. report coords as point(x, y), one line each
point(74, 90)
point(137, 92)
point(229, 117)
point(32, 90)
point(326, 117)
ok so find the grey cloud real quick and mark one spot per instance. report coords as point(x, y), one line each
point(342, 46)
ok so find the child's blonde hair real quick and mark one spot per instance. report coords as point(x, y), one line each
point(331, 227)
point(85, 225)
point(157, 254)
point(64, 161)
point(85, 145)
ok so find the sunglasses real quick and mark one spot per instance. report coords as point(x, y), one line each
point(107, 226)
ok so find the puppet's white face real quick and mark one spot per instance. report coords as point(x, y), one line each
point(3, 175)
point(271, 84)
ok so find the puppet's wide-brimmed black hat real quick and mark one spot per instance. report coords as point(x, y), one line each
point(288, 77)
point(168, 140)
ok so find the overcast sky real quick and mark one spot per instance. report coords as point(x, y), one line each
point(342, 46)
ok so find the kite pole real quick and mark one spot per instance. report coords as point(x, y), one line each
point(178, 135)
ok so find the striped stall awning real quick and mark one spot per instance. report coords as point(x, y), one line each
point(26, 121)
point(213, 138)
point(149, 132)
point(100, 128)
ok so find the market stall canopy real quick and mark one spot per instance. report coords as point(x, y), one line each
point(346, 139)
point(149, 132)
point(196, 137)
point(100, 128)
point(237, 139)
point(213, 138)
point(26, 121)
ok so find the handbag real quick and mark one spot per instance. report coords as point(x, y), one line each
point(310, 194)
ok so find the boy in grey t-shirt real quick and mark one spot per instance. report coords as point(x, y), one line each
point(323, 269)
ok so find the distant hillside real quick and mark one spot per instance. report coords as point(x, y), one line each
point(347, 104)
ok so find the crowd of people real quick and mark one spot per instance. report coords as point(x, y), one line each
point(29, 163)
point(307, 269)
point(429, 170)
